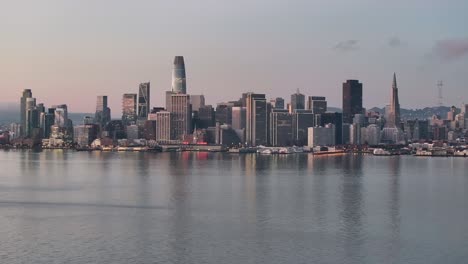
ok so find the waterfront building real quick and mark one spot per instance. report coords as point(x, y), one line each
point(149, 128)
point(181, 115)
point(163, 126)
point(256, 119)
point(103, 112)
point(84, 135)
point(321, 136)
point(301, 121)
point(143, 100)
point(129, 109)
point(32, 116)
point(318, 104)
point(23, 109)
point(355, 134)
point(281, 128)
point(133, 132)
point(15, 130)
point(352, 100)
point(337, 120)
point(297, 101)
point(178, 76)
point(373, 135)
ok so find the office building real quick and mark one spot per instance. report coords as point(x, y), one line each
point(103, 112)
point(205, 117)
point(321, 136)
point(256, 119)
point(281, 132)
point(352, 100)
point(223, 114)
point(178, 76)
point(197, 102)
point(297, 101)
point(163, 126)
point(129, 109)
point(143, 100)
point(26, 94)
point(372, 135)
point(84, 135)
point(318, 104)
point(337, 120)
point(238, 117)
point(277, 103)
point(301, 121)
point(181, 115)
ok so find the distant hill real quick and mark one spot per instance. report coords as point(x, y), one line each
point(9, 113)
point(423, 113)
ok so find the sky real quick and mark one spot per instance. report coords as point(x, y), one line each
point(70, 51)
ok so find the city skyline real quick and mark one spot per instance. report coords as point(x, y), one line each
point(113, 50)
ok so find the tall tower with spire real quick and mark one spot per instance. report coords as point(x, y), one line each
point(394, 113)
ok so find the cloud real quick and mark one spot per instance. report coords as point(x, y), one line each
point(347, 45)
point(395, 42)
point(451, 49)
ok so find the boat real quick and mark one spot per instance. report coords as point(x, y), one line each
point(381, 152)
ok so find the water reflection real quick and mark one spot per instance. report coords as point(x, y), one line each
point(352, 206)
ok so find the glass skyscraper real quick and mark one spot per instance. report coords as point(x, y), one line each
point(178, 76)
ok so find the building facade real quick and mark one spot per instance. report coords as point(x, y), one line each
point(352, 100)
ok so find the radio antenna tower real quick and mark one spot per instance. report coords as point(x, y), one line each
point(440, 99)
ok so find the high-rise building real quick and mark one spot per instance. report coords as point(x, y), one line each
point(61, 115)
point(277, 103)
point(197, 101)
point(238, 117)
point(394, 111)
point(178, 76)
point(205, 117)
point(223, 114)
point(281, 128)
point(352, 100)
point(163, 126)
point(321, 136)
point(181, 115)
point(26, 94)
point(129, 109)
point(337, 120)
point(83, 135)
point(302, 120)
point(297, 101)
point(143, 100)
point(256, 119)
point(103, 112)
point(318, 104)
point(32, 116)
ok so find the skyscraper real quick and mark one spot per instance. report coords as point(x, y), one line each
point(178, 76)
point(277, 103)
point(26, 94)
point(281, 131)
point(197, 101)
point(129, 109)
point(103, 112)
point(394, 113)
point(143, 100)
point(181, 115)
point(256, 119)
point(352, 100)
point(317, 104)
point(297, 101)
